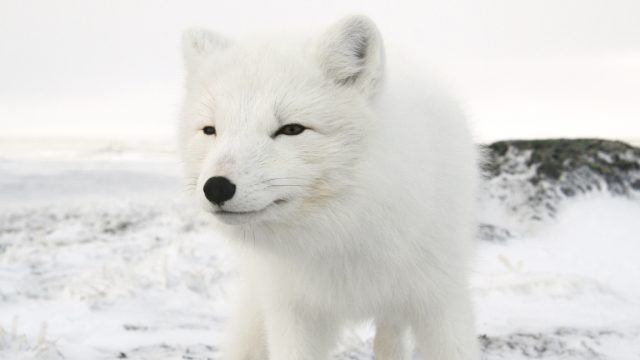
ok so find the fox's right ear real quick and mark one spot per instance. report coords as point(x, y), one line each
point(351, 54)
point(198, 43)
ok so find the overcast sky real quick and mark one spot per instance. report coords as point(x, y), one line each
point(524, 69)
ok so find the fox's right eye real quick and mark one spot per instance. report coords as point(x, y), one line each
point(290, 130)
point(209, 130)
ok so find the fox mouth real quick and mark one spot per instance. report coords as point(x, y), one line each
point(226, 212)
point(238, 217)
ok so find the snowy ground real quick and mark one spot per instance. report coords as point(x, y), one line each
point(100, 258)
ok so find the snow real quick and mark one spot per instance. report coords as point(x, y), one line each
point(101, 257)
point(570, 288)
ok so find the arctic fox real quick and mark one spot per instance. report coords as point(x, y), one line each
point(348, 192)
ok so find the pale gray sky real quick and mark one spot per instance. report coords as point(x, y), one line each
point(111, 69)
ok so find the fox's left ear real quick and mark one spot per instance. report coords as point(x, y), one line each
point(199, 43)
point(351, 54)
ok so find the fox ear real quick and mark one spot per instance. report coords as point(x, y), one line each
point(197, 43)
point(351, 54)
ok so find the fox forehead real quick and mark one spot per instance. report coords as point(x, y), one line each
point(267, 87)
point(265, 69)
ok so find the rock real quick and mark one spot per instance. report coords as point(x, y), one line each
point(529, 179)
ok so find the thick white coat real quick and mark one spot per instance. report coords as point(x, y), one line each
point(367, 214)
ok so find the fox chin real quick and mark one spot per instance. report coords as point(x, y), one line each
point(357, 183)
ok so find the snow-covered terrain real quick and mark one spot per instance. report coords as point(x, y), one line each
point(101, 257)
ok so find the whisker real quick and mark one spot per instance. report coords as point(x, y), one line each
point(282, 178)
point(189, 185)
point(253, 231)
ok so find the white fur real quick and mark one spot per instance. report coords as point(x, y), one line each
point(379, 194)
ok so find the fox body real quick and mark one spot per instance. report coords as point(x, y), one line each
point(348, 192)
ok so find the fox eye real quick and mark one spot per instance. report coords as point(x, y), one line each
point(209, 130)
point(290, 129)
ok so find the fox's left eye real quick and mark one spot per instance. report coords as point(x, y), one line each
point(209, 130)
point(290, 129)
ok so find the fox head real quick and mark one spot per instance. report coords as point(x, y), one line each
point(273, 131)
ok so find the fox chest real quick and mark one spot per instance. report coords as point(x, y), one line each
point(352, 287)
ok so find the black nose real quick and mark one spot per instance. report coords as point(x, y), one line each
point(219, 189)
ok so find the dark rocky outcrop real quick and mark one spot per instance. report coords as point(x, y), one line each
point(529, 179)
point(611, 161)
